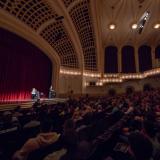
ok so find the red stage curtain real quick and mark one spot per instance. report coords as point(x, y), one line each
point(22, 67)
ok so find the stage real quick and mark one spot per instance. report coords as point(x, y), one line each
point(11, 104)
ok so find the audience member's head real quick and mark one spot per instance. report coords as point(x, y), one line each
point(7, 117)
point(46, 126)
point(149, 128)
point(140, 146)
point(69, 125)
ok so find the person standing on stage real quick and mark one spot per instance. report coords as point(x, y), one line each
point(38, 94)
point(34, 93)
point(52, 93)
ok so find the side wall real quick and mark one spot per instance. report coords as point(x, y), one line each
point(121, 87)
point(68, 83)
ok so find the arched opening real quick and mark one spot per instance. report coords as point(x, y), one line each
point(157, 52)
point(111, 62)
point(145, 60)
point(128, 60)
point(22, 67)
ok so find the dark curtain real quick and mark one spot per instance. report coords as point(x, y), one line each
point(22, 67)
point(157, 52)
point(145, 59)
point(111, 60)
point(128, 60)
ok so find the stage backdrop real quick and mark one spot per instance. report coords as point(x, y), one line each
point(22, 67)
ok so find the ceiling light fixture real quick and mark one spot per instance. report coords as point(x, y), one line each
point(112, 26)
point(156, 26)
point(134, 26)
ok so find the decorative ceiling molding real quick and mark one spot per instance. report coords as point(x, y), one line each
point(69, 26)
point(37, 13)
point(58, 38)
point(32, 12)
point(42, 27)
point(13, 25)
point(81, 17)
point(78, 40)
point(67, 3)
point(97, 31)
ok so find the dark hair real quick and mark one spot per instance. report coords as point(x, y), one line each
point(140, 146)
point(137, 125)
point(46, 125)
point(150, 116)
point(69, 124)
point(149, 128)
point(17, 109)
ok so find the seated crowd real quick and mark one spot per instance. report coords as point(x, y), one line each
point(120, 127)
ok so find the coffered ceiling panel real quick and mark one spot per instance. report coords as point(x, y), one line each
point(91, 31)
point(80, 13)
point(35, 14)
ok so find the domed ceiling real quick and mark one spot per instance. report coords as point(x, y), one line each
point(75, 32)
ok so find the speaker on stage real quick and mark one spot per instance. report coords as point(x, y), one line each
point(34, 93)
point(52, 93)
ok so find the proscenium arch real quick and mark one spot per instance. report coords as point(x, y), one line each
point(23, 66)
point(13, 25)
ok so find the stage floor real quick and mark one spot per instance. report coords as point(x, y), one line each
point(28, 103)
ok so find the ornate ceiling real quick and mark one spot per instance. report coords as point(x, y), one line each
point(123, 13)
point(76, 31)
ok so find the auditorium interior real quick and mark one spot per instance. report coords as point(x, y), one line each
point(79, 79)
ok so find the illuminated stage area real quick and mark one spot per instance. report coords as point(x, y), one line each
point(32, 69)
point(11, 104)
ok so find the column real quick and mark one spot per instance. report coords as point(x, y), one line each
point(136, 59)
point(119, 59)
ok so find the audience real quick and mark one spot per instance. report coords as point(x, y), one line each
point(9, 120)
point(75, 124)
point(45, 138)
point(141, 147)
